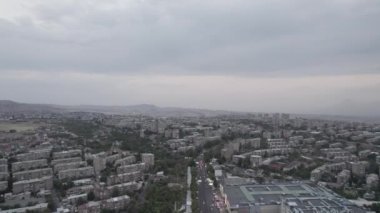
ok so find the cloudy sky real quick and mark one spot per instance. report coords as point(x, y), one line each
point(256, 55)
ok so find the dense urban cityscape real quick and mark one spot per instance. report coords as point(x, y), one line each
point(189, 106)
point(254, 162)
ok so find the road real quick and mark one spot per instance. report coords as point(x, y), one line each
point(206, 195)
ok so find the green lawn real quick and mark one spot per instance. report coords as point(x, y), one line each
point(6, 126)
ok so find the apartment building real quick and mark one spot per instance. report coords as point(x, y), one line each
point(72, 165)
point(3, 185)
point(34, 155)
point(33, 185)
point(130, 168)
point(123, 178)
point(76, 173)
point(65, 160)
point(28, 165)
point(256, 160)
point(67, 154)
point(32, 174)
point(148, 159)
point(116, 203)
point(123, 187)
point(4, 176)
point(125, 161)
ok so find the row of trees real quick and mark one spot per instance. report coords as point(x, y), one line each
point(194, 191)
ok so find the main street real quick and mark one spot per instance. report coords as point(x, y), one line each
point(205, 195)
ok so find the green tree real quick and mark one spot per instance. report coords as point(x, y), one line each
point(115, 192)
point(51, 205)
point(91, 196)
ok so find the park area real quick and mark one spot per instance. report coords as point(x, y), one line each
point(6, 126)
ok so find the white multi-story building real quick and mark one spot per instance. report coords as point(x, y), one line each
point(113, 158)
point(327, 150)
point(296, 138)
point(126, 161)
point(3, 161)
point(32, 174)
point(309, 140)
point(80, 190)
point(185, 148)
point(277, 143)
point(335, 145)
point(372, 181)
point(34, 155)
point(130, 168)
point(345, 158)
point(73, 199)
point(321, 142)
point(123, 187)
point(175, 133)
point(65, 160)
point(336, 167)
point(123, 178)
point(67, 154)
point(77, 173)
point(66, 166)
point(4, 176)
point(3, 167)
point(40, 207)
point(148, 159)
point(254, 142)
point(338, 154)
point(272, 152)
point(99, 162)
point(256, 160)
point(90, 207)
point(3, 185)
point(116, 203)
point(82, 182)
point(27, 165)
point(33, 185)
point(317, 173)
point(343, 177)
point(238, 159)
point(358, 168)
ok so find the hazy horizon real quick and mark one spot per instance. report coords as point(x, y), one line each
point(292, 56)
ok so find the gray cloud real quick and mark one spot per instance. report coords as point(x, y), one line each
point(194, 37)
point(264, 55)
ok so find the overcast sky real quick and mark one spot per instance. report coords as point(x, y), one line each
point(296, 56)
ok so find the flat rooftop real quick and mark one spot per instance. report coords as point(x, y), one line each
point(302, 197)
point(268, 193)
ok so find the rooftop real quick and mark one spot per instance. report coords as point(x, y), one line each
point(299, 196)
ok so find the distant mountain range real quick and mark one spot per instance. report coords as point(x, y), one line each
point(148, 109)
point(7, 106)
